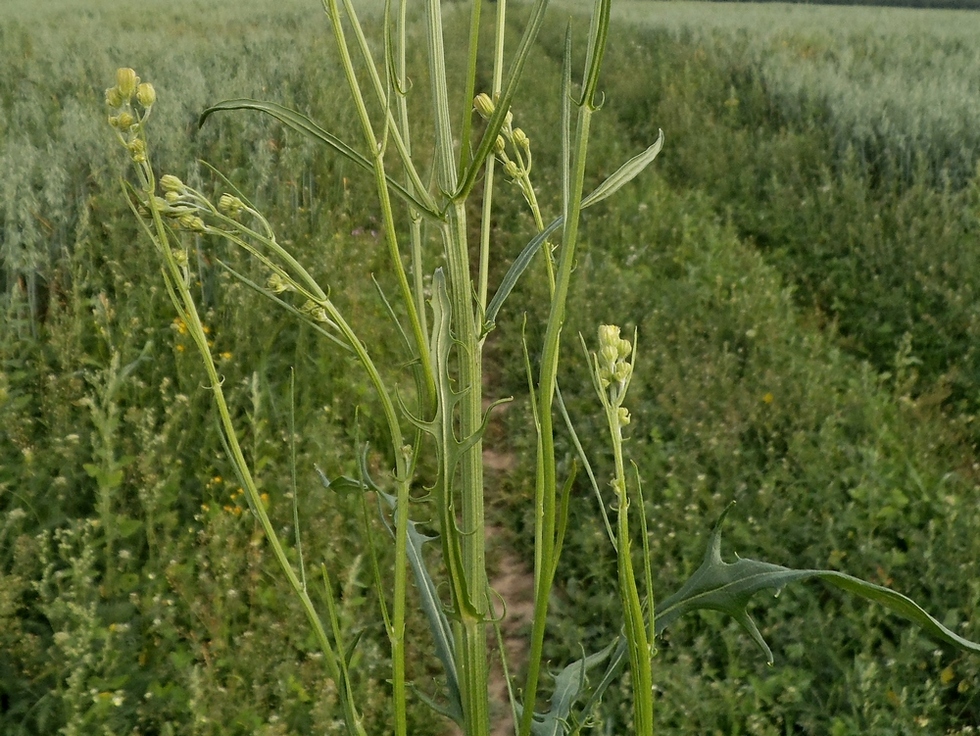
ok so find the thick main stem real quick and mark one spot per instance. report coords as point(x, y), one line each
point(474, 612)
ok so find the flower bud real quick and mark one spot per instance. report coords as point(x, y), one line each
point(191, 222)
point(624, 416)
point(622, 372)
point(484, 105)
point(609, 335)
point(137, 150)
point(277, 284)
point(230, 205)
point(608, 355)
point(499, 145)
point(508, 120)
point(521, 139)
point(315, 311)
point(510, 168)
point(126, 80)
point(171, 197)
point(180, 257)
point(146, 95)
point(624, 348)
point(170, 183)
point(113, 97)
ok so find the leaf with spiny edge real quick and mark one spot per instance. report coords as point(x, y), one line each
point(727, 587)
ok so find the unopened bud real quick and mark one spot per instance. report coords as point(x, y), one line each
point(127, 81)
point(315, 311)
point(484, 105)
point(113, 97)
point(510, 168)
point(180, 257)
point(277, 284)
point(622, 372)
point(499, 145)
point(171, 197)
point(191, 222)
point(230, 205)
point(624, 348)
point(608, 335)
point(608, 354)
point(521, 139)
point(624, 416)
point(146, 95)
point(137, 150)
point(170, 183)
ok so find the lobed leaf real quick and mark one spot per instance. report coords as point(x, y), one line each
point(727, 587)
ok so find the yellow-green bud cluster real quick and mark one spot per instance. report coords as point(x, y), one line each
point(126, 118)
point(517, 168)
point(614, 368)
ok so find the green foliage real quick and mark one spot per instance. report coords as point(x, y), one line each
point(793, 236)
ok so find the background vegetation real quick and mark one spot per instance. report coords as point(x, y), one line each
point(802, 266)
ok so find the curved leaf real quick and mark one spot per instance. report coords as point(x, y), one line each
point(727, 587)
point(302, 124)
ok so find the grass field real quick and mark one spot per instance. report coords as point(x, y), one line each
point(801, 264)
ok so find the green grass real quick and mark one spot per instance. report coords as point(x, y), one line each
point(804, 286)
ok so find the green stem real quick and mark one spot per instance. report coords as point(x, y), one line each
point(546, 483)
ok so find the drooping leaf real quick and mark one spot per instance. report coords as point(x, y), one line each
point(302, 124)
point(727, 587)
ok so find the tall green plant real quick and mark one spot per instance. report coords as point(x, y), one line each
point(443, 325)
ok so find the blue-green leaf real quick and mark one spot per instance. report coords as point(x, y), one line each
point(727, 587)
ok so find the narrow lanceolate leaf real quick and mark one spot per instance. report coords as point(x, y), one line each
point(727, 587)
point(302, 124)
point(622, 176)
point(625, 173)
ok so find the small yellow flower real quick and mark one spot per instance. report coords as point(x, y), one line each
point(768, 398)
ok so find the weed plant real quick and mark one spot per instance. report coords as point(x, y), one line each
point(187, 628)
point(446, 417)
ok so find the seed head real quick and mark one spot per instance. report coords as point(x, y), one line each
point(126, 81)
